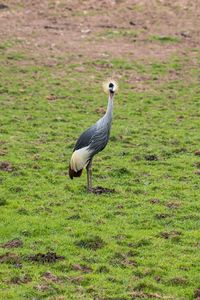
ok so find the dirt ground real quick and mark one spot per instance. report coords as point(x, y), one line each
point(83, 30)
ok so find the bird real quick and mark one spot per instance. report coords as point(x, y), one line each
point(93, 140)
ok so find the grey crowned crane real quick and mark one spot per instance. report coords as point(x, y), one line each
point(93, 140)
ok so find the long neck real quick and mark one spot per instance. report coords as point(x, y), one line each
point(110, 106)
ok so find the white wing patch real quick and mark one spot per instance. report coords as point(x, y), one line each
point(79, 159)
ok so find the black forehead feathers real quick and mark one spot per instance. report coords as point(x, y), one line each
point(111, 85)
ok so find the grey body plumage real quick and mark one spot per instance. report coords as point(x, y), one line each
point(92, 141)
point(96, 137)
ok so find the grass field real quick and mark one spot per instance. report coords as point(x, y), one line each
point(140, 242)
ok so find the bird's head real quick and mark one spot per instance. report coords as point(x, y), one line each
point(110, 86)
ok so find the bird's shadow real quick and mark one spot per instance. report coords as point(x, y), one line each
point(101, 190)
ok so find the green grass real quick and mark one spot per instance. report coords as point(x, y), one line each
point(120, 32)
point(142, 240)
point(165, 39)
point(116, 33)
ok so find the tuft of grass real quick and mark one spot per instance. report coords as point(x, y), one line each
point(5, 45)
point(165, 39)
point(16, 56)
point(120, 33)
point(92, 243)
point(3, 202)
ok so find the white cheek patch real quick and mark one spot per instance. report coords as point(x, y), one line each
point(79, 159)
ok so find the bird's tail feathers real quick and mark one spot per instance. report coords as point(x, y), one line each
point(78, 161)
point(73, 173)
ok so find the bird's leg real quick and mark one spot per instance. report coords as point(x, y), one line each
point(89, 176)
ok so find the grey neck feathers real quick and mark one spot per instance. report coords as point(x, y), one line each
point(109, 110)
point(106, 120)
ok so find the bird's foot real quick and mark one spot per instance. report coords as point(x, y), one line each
point(90, 190)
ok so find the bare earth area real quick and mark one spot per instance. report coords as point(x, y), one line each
point(82, 30)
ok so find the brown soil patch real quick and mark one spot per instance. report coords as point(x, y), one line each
point(179, 281)
point(15, 243)
point(143, 295)
point(10, 258)
point(100, 190)
point(6, 166)
point(197, 294)
point(100, 111)
point(154, 201)
point(173, 204)
point(161, 216)
point(76, 280)
point(50, 277)
point(3, 6)
point(42, 287)
point(21, 280)
point(197, 152)
point(3, 152)
point(83, 30)
point(49, 257)
point(78, 32)
point(151, 157)
point(82, 268)
point(170, 234)
point(123, 260)
point(93, 243)
point(197, 172)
